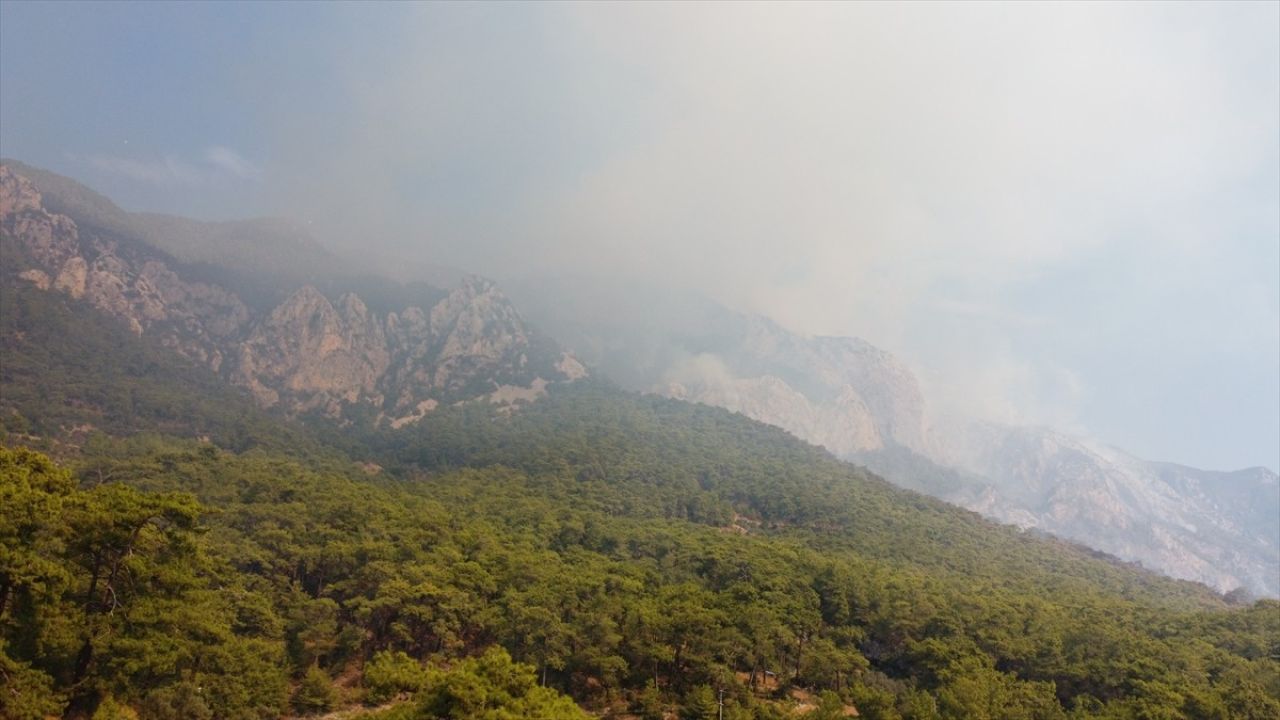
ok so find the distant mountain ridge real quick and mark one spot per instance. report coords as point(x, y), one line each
point(865, 405)
point(274, 246)
point(308, 352)
point(1221, 528)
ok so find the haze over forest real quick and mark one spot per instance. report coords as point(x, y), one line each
point(638, 361)
point(1061, 214)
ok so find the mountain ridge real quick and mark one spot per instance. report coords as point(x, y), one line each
point(329, 353)
point(306, 353)
point(631, 551)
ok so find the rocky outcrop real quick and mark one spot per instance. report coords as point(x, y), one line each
point(18, 195)
point(883, 383)
point(470, 344)
point(472, 329)
point(841, 393)
point(844, 426)
point(195, 319)
point(1222, 529)
point(307, 353)
point(315, 354)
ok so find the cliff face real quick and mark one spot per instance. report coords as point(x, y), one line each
point(473, 329)
point(306, 354)
point(844, 426)
point(196, 319)
point(841, 393)
point(315, 355)
point(1220, 528)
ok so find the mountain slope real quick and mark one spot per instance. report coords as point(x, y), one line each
point(865, 405)
point(268, 247)
point(1218, 528)
point(69, 372)
point(638, 553)
point(631, 550)
point(307, 353)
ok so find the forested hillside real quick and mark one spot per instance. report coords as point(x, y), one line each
point(867, 405)
point(198, 557)
point(639, 361)
point(636, 554)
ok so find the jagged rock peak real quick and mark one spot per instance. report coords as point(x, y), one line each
point(353, 306)
point(17, 193)
point(314, 353)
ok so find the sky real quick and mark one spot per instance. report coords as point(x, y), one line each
point(1059, 213)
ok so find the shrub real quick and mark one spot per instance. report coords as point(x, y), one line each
point(390, 673)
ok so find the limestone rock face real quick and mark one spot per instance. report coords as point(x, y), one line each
point(50, 240)
point(315, 354)
point(310, 354)
point(844, 426)
point(307, 353)
point(881, 381)
point(17, 194)
point(73, 278)
point(841, 393)
point(470, 344)
point(473, 328)
point(193, 318)
point(1219, 528)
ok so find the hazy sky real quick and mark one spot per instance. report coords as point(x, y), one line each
point(1061, 213)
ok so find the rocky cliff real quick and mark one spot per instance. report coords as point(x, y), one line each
point(841, 393)
point(309, 353)
point(122, 279)
point(1220, 528)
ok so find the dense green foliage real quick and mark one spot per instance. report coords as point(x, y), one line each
point(656, 457)
point(294, 576)
point(106, 591)
point(639, 555)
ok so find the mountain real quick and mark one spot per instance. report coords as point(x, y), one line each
point(633, 552)
point(865, 405)
point(266, 247)
point(305, 338)
point(242, 525)
point(302, 350)
point(1221, 528)
point(842, 393)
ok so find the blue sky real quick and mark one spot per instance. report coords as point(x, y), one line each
point(1066, 214)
